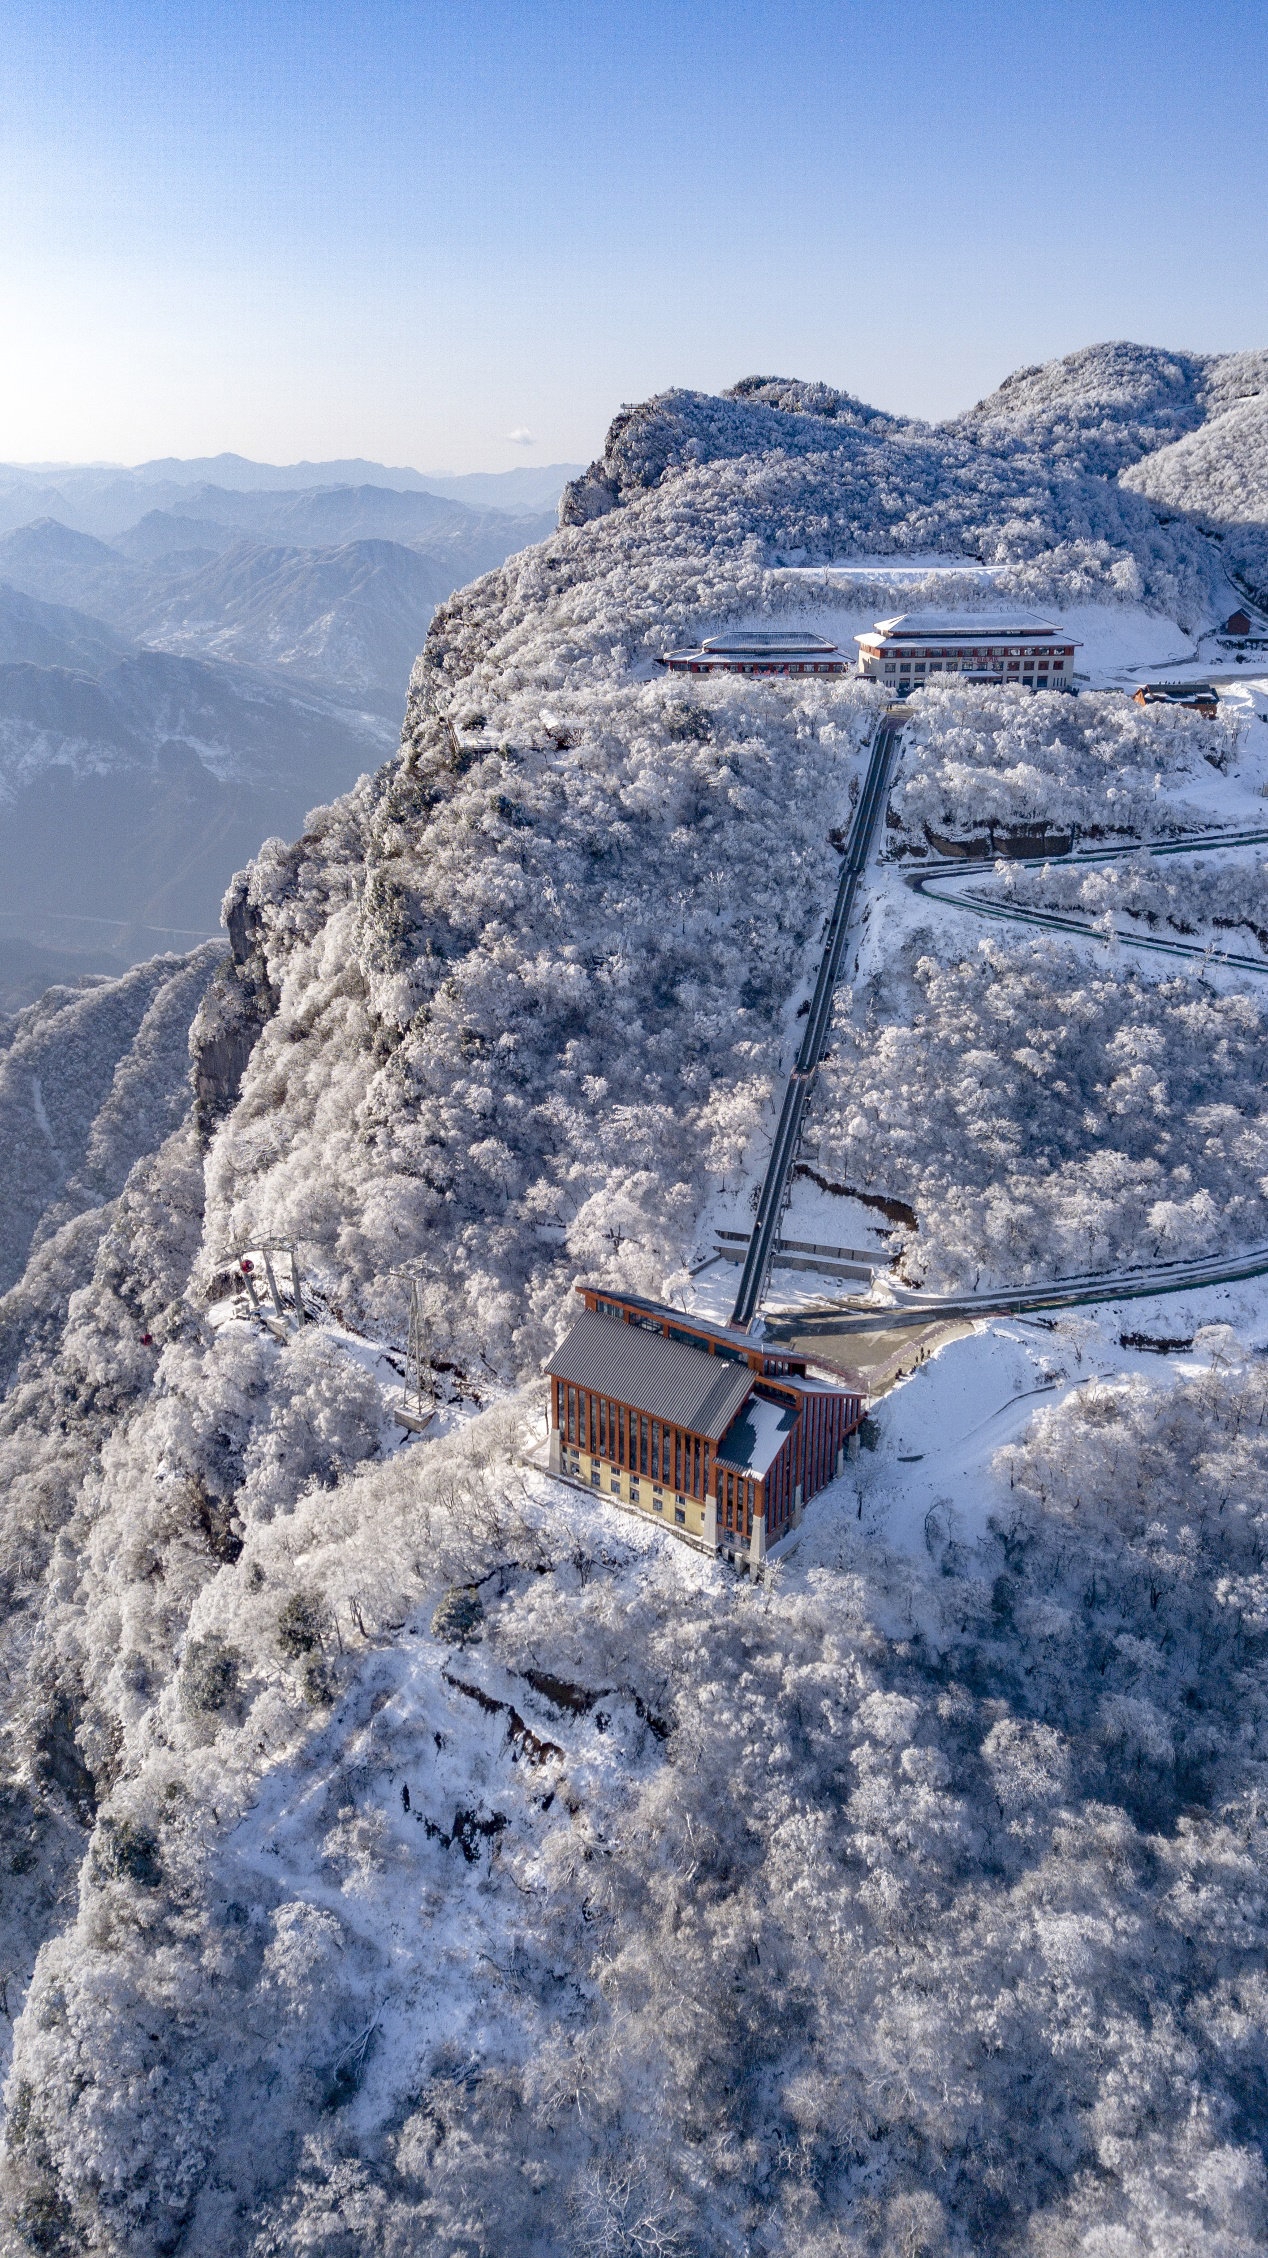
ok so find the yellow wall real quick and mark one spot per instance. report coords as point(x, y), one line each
point(616, 1485)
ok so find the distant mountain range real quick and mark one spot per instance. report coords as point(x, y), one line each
point(133, 781)
point(192, 655)
point(315, 584)
point(107, 498)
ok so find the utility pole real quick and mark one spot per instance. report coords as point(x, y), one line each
point(246, 1268)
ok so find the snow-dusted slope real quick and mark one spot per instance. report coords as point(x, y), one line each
point(1218, 476)
point(348, 618)
point(908, 1905)
point(89, 1081)
point(129, 790)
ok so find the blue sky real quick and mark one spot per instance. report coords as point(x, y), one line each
point(412, 228)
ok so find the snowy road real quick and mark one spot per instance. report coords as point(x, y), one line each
point(951, 883)
point(913, 1308)
point(946, 882)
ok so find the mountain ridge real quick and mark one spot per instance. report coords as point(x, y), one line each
point(411, 1852)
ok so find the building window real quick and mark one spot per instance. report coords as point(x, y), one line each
point(642, 1446)
point(572, 1415)
point(679, 1516)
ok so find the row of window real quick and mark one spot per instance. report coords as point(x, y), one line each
point(702, 666)
point(1031, 667)
point(973, 651)
point(631, 1439)
point(572, 1465)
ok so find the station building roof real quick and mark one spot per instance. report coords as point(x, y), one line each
point(755, 1438)
point(683, 1386)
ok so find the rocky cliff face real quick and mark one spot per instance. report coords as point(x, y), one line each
point(509, 1010)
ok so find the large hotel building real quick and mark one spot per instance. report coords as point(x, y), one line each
point(717, 1435)
point(1012, 648)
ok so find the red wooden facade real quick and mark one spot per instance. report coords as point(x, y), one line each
point(783, 1435)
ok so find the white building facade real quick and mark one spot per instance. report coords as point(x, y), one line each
point(1012, 648)
point(759, 653)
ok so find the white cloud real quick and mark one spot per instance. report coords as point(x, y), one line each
point(521, 438)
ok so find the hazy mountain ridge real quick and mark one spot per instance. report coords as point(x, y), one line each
point(130, 790)
point(85, 1080)
point(912, 1905)
point(106, 498)
point(314, 637)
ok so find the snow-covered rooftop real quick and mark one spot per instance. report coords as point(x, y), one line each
point(965, 623)
point(757, 645)
point(755, 1439)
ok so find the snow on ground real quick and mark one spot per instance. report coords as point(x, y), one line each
point(396, 1820)
point(939, 1430)
point(1124, 643)
point(895, 570)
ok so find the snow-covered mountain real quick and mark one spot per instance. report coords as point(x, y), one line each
point(910, 1902)
point(137, 780)
point(161, 573)
point(131, 784)
point(344, 618)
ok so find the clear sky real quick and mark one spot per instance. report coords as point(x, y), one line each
point(459, 233)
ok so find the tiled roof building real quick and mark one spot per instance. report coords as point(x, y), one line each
point(1014, 648)
point(756, 652)
point(722, 1436)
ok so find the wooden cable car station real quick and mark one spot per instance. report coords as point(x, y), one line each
point(719, 1436)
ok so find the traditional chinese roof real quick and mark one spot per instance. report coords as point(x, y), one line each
point(757, 644)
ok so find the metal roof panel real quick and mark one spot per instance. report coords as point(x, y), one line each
point(666, 1379)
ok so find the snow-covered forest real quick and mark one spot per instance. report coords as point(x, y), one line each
point(405, 1853)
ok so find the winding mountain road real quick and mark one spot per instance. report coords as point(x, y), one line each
point(949, 882)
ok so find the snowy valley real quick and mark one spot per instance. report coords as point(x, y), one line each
point(191, 657)
point(404, 1851)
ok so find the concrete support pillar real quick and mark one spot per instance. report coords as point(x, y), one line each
point(556, 1460)
point(711, 1523)
point(268, 1272)
point(757, 1543)
point(798, 1507)
point(852, 1445)
point(839, 1468)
